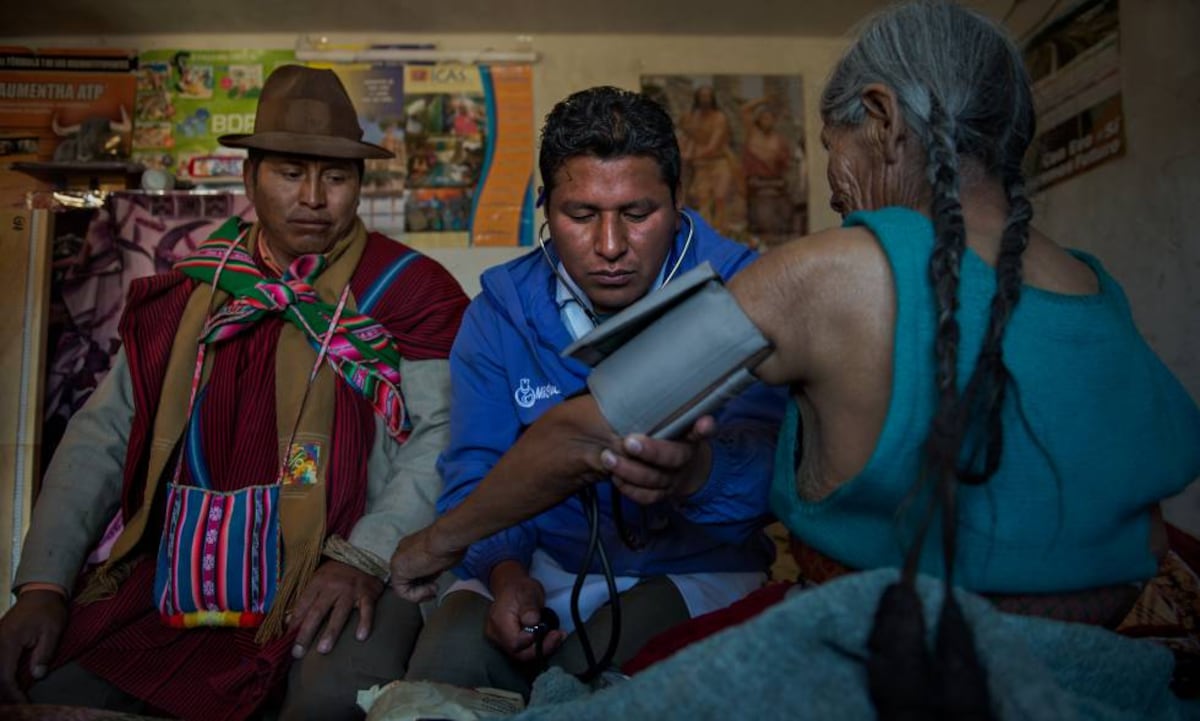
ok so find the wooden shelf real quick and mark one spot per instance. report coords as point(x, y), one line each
point(102, 174)
point(68, 167)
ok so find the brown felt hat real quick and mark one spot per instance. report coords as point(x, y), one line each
point(305, 111)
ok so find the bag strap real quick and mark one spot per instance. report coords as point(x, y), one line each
point(198, 374)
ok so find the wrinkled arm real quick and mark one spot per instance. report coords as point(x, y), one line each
point(562, 450)
point(799, 295)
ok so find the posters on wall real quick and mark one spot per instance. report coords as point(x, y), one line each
point(378, 96)
point(742, 142)
point(463, 139)
point(502, 211)
point(434, 119)
point(97, 254)
point(462, 135)
point(187, 98)
point(1075, 67)
point(61, 105)
point(66, 104)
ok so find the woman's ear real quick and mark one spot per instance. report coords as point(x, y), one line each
point(885, 125)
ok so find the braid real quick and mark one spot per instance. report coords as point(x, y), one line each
point(961, 685)
point(984, 397)
point(945, 263)
point(963, 90)
point(904, 679)
point(963, 681)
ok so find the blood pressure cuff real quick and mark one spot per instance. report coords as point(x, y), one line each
point(677, 354)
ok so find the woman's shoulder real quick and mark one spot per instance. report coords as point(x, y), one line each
point(835, 257)
point(1052, 268)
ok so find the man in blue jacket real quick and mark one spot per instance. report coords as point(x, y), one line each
point(617, 230)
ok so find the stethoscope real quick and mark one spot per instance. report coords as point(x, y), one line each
point(628, 537)
point(590, 501)
point(543, 240)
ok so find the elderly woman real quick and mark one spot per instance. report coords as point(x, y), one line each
point(948, 362)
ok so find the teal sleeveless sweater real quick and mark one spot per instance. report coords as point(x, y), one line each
point(1096, 432)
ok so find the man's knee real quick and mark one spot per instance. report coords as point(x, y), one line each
point(453, 648)
point(326, 686)
point(73, 685)
point(649, 608)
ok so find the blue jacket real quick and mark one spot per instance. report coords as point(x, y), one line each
point(506, 371)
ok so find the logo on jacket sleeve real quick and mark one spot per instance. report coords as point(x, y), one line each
point(526, 395)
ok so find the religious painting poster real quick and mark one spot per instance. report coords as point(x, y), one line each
point(186, 99)
point(742, 142)
point(1075, 67)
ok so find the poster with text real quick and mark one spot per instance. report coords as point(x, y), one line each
point(469, 141)
point(463, 139)
point(70, 105)
point(186, 99)
point(1075, 67)
point(741, 138)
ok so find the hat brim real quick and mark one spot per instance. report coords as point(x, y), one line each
point(323, 146)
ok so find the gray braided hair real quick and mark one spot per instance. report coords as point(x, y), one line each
point(963, 90)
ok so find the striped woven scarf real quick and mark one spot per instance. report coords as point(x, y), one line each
point(361, 350)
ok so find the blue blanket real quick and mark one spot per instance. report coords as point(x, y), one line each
point(804, 658)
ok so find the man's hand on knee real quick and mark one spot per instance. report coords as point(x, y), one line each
point(34, 624)
point(335, 590)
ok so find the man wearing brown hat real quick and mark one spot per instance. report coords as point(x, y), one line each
point(267, 435)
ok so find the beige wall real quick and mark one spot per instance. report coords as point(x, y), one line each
point(1140, 214)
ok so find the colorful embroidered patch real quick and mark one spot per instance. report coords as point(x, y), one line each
point(302, 464)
